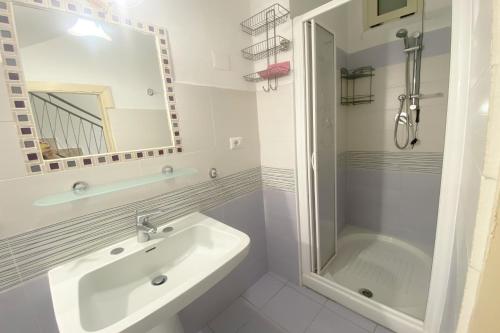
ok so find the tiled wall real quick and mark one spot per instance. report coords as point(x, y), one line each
point(32, 311)
point(394, 203)
point(370, 127)
point(380, 187)
point(32, 253)
point(213, 105)
point(245, 214)
point(282, 233)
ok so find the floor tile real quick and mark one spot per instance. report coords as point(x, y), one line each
point(381, 329)
point(309, 293)
point(263, 290)
point(356, 318)
point(261, 325)
point(234, 317)
point(278, 277)
point(292, 310)
point(330, 322)
point(206, 329)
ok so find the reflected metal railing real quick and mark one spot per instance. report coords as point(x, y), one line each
point(66, 128)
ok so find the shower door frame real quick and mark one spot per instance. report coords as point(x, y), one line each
point(450, 188)
point(314, 153)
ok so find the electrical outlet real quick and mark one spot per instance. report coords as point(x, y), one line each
point(235, 142)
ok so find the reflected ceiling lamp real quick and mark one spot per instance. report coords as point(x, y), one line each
point(106, 4)
point(88, 28)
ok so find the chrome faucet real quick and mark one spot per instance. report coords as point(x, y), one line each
point(145, 230)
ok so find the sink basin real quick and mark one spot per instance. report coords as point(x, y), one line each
point(143, 286)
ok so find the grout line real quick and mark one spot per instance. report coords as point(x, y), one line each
point(275, 294)
point(316, 316)
point(263, 316)
point(302, 292)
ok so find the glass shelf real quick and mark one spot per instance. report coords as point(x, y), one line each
point(71, 196)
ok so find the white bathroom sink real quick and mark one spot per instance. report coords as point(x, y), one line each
point(107, 293)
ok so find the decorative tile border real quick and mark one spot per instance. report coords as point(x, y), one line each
point(394, 161)
point(36, 252)
point(28, 255)
point(19, 99)
point(278, 178)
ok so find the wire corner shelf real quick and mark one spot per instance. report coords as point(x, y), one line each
point(258, 23)
point(349, 86)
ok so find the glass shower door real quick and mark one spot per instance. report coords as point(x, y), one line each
point(322, 96)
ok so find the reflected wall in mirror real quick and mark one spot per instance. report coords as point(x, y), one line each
point(96, 88)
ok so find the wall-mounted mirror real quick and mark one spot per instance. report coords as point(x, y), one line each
point(94, 87)
point(87, 84)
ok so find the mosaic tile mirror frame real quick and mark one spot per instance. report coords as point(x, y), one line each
point(19, 99)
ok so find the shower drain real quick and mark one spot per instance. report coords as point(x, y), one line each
point(366, 292)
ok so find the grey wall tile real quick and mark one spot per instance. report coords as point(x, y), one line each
point(16, 315)
point(216, 213)
point(246, 214)
point(40, 303)
point(28, 307)
point(282, 233)
point(399, 204)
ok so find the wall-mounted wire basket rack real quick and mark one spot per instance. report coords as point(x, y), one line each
point(353, 90)
point(259, 22)
point(253, 77)
point(266, 48)
point(266, 21)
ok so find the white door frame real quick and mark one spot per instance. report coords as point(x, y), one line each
point(450, 181)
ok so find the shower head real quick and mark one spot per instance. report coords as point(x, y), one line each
point(402, 33)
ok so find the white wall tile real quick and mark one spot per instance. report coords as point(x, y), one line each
point(196, 117)
point(5, 108)
point(12, 162)
point(371, 126)
point(276, 127)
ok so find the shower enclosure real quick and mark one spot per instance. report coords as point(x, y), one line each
point(369, 165)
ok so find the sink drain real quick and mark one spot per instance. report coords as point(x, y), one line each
point(159, 280)
point(366, 292)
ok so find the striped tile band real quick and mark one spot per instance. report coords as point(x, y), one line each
point(282, 179)
point(36, 252)
point(31, 254)
point(394, 161)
